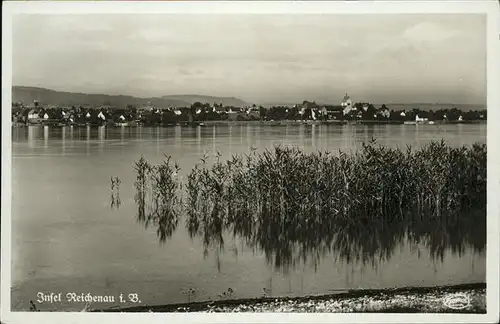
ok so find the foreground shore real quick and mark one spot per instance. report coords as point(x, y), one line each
point(444, 299)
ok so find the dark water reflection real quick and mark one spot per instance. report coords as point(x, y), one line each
point(368, 243)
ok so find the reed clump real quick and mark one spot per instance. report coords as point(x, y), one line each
point(115, 192)
point(285, 185)
point(293, 205)
point(287, 202)
point(157, 195)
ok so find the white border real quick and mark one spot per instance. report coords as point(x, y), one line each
point(491, 8)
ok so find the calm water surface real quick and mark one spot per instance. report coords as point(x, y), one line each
point(67, 238)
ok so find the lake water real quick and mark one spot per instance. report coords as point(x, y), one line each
point(67, 238)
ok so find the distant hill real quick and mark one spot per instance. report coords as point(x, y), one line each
point(432, 106)
point(278, 104)
point(404, 106)
point(27, 95)
point(226, 101)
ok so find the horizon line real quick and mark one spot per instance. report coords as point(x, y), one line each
point(247, 102)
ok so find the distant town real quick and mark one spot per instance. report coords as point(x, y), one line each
point(346, 111)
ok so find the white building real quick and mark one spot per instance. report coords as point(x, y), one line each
point(101, 115)
point(33, 114)
point(418, 119)
point(346, 103)
point(385, 113)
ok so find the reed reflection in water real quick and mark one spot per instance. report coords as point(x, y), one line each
point(298, 207)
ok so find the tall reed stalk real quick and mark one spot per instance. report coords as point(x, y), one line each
point(157, 195)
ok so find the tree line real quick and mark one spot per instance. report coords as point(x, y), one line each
point(199, 112)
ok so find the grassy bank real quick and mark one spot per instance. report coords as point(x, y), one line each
point(398, 300)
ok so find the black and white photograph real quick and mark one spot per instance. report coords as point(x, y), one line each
point(250, 159)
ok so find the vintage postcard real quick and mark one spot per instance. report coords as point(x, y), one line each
point(250, 161)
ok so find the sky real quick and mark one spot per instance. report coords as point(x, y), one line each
point(258, 58)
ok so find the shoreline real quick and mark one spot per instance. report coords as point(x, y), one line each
point(335, 122)
point(392, 300)
point(263, 122)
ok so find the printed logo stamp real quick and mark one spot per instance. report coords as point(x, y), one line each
point(457, 301)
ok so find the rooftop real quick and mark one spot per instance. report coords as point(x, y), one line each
point(346, 97)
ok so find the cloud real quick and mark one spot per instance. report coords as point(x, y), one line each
point(427, 31)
